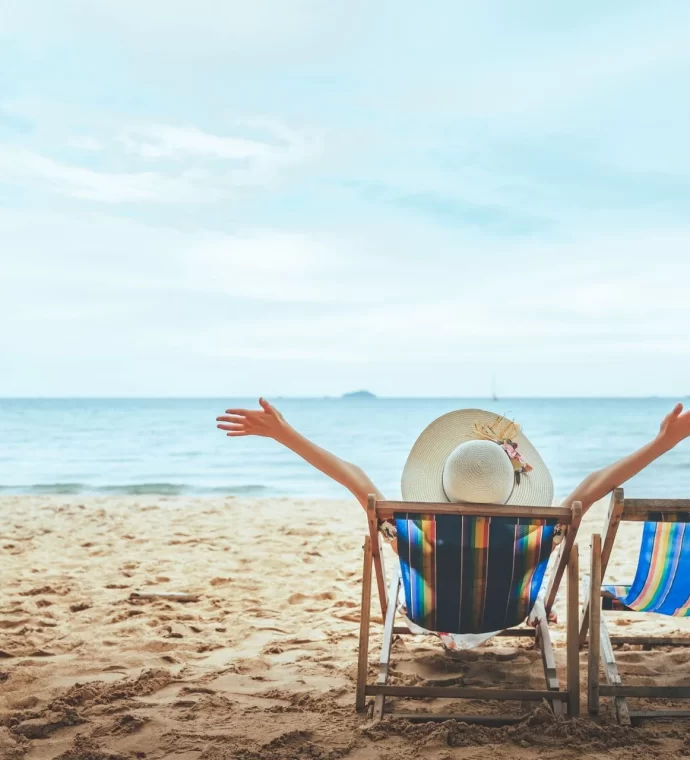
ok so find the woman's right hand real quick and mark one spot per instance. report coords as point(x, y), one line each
point(675, 426)
point(267, 422)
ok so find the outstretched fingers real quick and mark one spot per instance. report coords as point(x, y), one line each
point(238, 422)
point(676, 425)
point(266, 421)
point(266, 406)
point(672, 415)
point(236, 418)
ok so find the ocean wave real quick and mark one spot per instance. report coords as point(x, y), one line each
point(45, 488)
point(135, 489)
point(140, 489)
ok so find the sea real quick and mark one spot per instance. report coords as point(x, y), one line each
point(172, 446)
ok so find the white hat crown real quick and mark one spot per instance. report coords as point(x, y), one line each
point(479, 472)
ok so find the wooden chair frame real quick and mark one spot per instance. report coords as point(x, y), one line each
point(592, 619)
point(563, 701)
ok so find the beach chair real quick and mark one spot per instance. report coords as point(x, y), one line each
point(470, 568)
point(661, 585)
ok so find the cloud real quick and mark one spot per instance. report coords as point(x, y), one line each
point(45, 174)
point(179, 142)
point(191, 34)
point(239, 163)
point(279, 290)
point(84, 142)
point(167, 141)
point(262, 308)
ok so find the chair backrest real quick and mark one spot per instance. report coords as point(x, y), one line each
point(662, 578)
point(473, 568)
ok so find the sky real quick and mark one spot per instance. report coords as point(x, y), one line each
point(299, 197)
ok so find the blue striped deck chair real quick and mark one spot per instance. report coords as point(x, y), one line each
point(470, 568)
point(661, 585)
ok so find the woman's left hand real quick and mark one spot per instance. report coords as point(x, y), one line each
point(267, 422)
point(675, 426)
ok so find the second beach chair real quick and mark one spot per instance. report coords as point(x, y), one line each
point(661, 585)
point(471, 568)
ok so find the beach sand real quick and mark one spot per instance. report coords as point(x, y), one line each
point(262, 666)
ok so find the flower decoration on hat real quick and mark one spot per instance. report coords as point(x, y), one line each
point(504, 432)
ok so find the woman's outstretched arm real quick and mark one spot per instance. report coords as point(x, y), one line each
point(270, 423)
point(674, 428)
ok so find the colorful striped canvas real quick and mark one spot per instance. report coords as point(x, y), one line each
point(471, 574)
point(662, 579)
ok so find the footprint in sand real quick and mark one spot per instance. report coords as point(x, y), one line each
point(680, 658)
point(13, 623)
point(297, 598)
point(629, 657)
point(220, 581)
point(125, 615)
point(43, 590)
point(79, 607)
point(350, 617)
point(306, 636)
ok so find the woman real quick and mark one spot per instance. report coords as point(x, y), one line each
point(468, 455)
point(270, 423)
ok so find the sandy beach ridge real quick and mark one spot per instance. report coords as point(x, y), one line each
point(262, 664)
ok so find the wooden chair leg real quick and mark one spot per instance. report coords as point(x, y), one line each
point(382, 680)
point(364, 619)
point(549, 662)
point(584, 619)
point(594, 623)
point(376, 546)
point(612, 677)
point(613, 519)
point(573, 649)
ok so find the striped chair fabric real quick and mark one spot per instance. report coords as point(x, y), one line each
point(466, 574)
point(662, 579)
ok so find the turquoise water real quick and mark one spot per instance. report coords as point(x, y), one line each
point(171, 446)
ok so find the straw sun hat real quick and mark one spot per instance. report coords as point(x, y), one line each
point(476, 456)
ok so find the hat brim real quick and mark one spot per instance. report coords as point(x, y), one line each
point(422, 478)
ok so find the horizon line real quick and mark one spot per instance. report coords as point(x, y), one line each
point(341, 397)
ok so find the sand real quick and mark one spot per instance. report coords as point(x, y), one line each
point(262, 665)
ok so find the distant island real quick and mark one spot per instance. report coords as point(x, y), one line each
point(358, 394)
